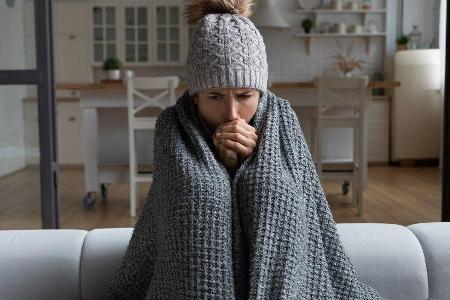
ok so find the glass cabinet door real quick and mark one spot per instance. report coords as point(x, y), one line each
point(136, 34)
point(104, 22)
point(168, 42)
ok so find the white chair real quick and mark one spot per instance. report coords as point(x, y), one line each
point(341, 104)
point(135, 92)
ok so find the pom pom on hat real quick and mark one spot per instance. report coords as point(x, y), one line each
point(200, 8)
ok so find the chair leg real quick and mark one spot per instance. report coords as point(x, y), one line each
point(133, 199)
point(132, 170)
point(354, 190)
point(359, 190)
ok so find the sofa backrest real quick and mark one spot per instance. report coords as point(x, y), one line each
point(76, 264)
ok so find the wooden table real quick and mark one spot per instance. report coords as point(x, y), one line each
point(113, 95)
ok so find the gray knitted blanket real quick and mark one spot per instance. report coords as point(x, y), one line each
point(266, 233)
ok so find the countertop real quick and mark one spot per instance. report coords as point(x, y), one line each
point(119, 85)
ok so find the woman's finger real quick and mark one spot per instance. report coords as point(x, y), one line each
point(235, 128)
point(237, 137)
point(240, 122)
point(238, 147)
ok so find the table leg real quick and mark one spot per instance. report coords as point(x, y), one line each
point(90, 138)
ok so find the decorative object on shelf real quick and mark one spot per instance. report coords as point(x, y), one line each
point(128, 74)
point(366, 4)
point(307, 25)
point(310, 4)
point(415, 38)
point(266, 15)
point(324, 27)
point(342, 28)
point(353, 5)
point(112, 68)
point(345, 62)
point(372, 27)
point(402, 42)
point(357, 29)
point(336, 4)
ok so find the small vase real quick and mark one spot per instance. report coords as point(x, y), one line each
point(113, 74)
point(347, 74)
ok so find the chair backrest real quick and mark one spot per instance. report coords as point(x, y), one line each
point(137, 86)
point(341, 92)
point(340, 102)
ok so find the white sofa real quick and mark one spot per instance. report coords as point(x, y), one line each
point(410, 262)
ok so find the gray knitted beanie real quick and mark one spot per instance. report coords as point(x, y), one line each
point(226, 49)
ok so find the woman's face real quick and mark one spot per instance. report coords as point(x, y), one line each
point(217, 106)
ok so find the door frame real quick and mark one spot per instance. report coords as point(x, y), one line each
point(446, 128)
point(43, 78)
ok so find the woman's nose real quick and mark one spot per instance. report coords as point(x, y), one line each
point(231, 110)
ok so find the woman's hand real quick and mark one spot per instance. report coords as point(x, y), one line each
point(235, 139)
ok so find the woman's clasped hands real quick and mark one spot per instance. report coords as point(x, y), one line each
point(234, 141)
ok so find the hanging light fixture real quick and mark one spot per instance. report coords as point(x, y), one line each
point(267, 15)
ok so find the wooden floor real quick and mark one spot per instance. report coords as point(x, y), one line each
point(398, 195)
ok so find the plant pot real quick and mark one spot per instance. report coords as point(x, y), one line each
point(307, 30)
point(113, 74)
point(402, 46)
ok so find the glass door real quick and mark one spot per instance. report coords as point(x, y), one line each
point(28, 162)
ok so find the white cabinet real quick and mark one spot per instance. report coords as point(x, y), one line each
point(103, 32)
point(71, 61)
point(137, 33)
point(168, 31)
point(69, 128)
point(68, 18)
point(70, 42)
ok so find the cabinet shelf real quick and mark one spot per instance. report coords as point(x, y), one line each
point(312, 36)
point(315, 35)
point(342, 11)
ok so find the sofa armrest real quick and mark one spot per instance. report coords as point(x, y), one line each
point(435, 241)
point(388, 257)
point(40, 264)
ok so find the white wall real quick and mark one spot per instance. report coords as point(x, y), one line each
point(425, 14)
point(12, 56)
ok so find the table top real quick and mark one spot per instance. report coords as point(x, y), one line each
point(119, 85)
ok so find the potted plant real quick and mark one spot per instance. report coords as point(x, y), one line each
point(402, 42)
point(307, 24)
point(112, 68)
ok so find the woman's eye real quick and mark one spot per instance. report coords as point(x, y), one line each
point(214, 97)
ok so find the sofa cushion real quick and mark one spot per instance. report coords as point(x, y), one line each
point(387, 257)
point(40, 264)
point(103, 253)
point(435, 241)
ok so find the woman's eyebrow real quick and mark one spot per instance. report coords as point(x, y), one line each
point(216, 93)
point(245, 92)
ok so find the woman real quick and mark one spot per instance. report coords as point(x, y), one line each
point(236, 209)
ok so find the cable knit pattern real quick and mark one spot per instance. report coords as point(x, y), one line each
point(227, 50)
point(266, 233)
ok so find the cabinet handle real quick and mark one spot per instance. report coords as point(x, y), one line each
point(71, 119)
point(73, 93)
point(72, 37)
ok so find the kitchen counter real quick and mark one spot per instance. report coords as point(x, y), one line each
point(119, 85)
